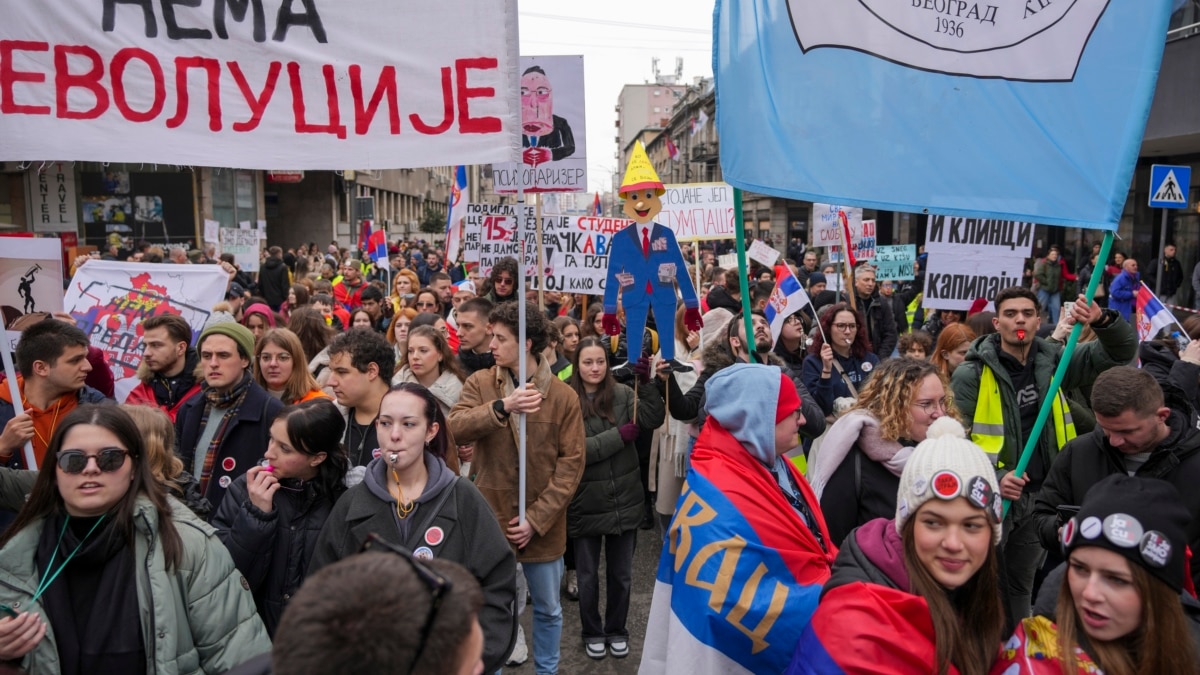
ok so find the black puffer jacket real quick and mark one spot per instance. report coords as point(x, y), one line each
point(1161, 361)
point(273, 282)
point(610, 499)
point(272, 550)
point(1088, 459)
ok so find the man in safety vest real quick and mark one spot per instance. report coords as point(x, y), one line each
point(999, 389)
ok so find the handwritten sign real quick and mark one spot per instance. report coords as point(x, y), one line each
point(243, 244)
point(895, 263)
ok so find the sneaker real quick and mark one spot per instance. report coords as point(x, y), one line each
point(618, 647)
point(595, 650)
point(572, 586)
point(520, 652)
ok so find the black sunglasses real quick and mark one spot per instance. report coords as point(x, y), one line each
point(437, 584)
point(107, 460)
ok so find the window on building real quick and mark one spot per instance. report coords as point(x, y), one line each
point(233, 197)
point(657, 109)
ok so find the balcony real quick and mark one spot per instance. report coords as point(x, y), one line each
point(704, 152)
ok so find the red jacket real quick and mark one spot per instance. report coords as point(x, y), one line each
point(143, 394)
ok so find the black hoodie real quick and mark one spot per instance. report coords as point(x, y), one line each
point(1088, 459)
point(273, 281)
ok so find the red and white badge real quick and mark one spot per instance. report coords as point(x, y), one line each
point(228, 464)
point(946, 484)
point(434, 536)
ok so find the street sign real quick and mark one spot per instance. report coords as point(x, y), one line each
point(1169, 186)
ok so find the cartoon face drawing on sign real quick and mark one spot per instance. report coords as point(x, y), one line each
point(1030, 40)
point(545, 136)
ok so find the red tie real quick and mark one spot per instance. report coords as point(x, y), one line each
point(646, 252)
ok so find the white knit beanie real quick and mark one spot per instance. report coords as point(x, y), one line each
point(947, 465)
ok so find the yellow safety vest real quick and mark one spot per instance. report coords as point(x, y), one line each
point(911, 311)
point(987, 429)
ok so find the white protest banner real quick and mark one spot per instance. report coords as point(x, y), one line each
point(698, 211)
point(728, 261)
point(212, 232)
point(957, 236)
point(826, 226)
point(895, 263)
point(864, 243)
point(52, 203)
point(269, 85)
point(110, 299)
point(553, 138)
point(579, 252)
point(762, 253)
point(30, 278)
point(490, 233)
point(243, 244)
point(955, 282)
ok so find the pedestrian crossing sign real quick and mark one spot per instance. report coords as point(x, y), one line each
point(1169, 186)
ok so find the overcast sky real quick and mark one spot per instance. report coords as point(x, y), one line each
point(618, 39)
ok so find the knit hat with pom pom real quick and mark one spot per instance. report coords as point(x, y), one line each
point(946, 465)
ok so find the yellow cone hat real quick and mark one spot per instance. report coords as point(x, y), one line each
point(640, 174)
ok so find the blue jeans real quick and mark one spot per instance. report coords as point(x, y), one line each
point(1052, 302)
point(544, 581)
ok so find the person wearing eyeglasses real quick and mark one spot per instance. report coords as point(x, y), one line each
point(424, 617)
point(275, 511)
point(410, 498)
point(502, 282)
point(857, 471)
point(839, 359)
point(281, 368)
point(104, 573)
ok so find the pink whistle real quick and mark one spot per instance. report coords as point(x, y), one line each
point(268, 468)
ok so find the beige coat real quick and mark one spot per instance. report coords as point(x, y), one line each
point(554, 452)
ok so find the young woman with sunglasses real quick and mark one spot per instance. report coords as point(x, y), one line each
point(106, 574)
point(273, 513)
point(857, 471)
point(410, 498)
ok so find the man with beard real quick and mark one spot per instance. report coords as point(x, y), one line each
point(168, 368)
point(999, 389)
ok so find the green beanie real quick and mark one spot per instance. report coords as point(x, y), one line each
point(234, 331)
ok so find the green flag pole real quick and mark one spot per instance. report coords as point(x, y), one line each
point(1060, 372)
point(744, 271)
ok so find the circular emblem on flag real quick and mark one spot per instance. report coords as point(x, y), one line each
point(1123, 530)
point(228, 464)
point(866, 367)
point(434, 536)
point(1090, 527)
point(946, 484)
point(1068, 533)
point(423, 553)
point(224, 481)
point(1155, 549)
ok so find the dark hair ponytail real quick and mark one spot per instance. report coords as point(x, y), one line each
point(314, 427)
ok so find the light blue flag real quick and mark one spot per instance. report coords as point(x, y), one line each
point(1025, 110)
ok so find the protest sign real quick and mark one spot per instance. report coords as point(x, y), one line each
point(212, 232)
point(864, 243)
point(553, 147)
point(109, 300)
point(243, 244)
point(955, 282)
point(698, 211)
point(579, 247)
point(762, 253)
point(261, 85)
point(490, 233)
point(31, 273)
point(826, 226)
point(1004, 238)
point(895, 263)
point(728, 261)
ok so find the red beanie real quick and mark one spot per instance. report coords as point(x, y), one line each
point(789, 400)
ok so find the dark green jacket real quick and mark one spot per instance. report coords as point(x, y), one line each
point(609, 499)
point(1115, 345)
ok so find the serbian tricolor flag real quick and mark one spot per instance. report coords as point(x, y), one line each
point(739, 575)
point(787, 299)
point(455, 215)
point(377, 245)
point(672, 150)
point(867, 628)
point(597, 210)
point(1152, 316)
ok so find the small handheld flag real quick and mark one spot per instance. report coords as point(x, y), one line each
point(788, 298)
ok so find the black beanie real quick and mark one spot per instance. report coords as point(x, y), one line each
point(1141, 519)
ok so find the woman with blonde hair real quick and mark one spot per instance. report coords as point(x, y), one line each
point(951, 349)
point(857, 470)
point(281, 368)
point(158, 432)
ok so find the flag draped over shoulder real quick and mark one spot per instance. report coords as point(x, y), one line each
point(1024, 111)
point(1152, 316)
point(457, 211)
point(788, 298)
point(739, 574)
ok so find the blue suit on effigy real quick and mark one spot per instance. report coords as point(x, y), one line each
point(647, 281)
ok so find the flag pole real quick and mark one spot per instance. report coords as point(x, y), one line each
point(696, 249)
point(743, 271)
point(521, 369)
point(1060, 372)
point(541, 275)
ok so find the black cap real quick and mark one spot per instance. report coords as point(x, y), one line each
point(1142, 519)
point(235, 291)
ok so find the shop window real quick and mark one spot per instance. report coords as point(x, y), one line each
point(233, 197)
